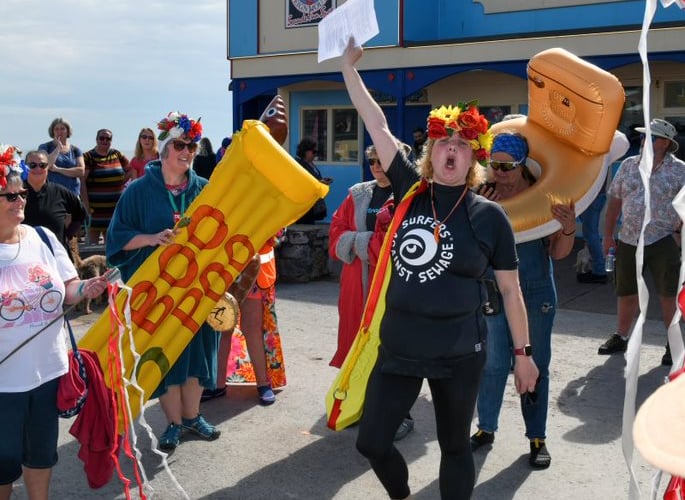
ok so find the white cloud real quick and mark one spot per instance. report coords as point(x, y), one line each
point(121, 65)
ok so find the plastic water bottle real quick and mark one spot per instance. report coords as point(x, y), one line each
point(609, 260)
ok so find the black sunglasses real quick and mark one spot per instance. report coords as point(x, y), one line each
point(148, 137)
point(105, 139)
point(33, 165)
point(504, 166)
point(12, 197)
point(530, 398)
point(373, 161)
point(179, 145)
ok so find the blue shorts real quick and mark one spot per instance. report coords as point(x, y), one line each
point(29, 430)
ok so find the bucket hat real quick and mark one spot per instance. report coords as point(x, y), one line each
point(662, 128)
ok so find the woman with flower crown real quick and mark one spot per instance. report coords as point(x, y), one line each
point(144, 219)
point(441, 242)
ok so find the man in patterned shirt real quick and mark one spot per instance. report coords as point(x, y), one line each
point(662, 234)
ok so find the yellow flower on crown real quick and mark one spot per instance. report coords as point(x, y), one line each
point(465, 120)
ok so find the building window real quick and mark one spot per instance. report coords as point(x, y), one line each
point(633, 116)
point(674, 94)
point(494, 114)
point(336, 132)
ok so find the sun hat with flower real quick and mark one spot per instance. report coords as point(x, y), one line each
point(175, 125)
point(9, 162)
point(465, 120)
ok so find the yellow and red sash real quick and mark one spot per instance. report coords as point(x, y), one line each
point(345, 398)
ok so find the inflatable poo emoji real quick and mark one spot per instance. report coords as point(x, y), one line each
point(256, 190)
point(574, 109)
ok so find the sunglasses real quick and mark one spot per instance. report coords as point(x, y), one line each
point(373, 161)
point(148, 137)
point(530, 398)
point(33, 165)
point(12, 197)
point(504, 166)
point(179, 145)
point(105, 139)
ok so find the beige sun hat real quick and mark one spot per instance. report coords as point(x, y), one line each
point(659, 428)
point(662, 128)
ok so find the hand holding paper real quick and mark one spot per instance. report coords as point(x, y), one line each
point(352, 53)
point(354, 19)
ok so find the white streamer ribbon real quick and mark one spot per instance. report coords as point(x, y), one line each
point(133, 382)
point(674, 333)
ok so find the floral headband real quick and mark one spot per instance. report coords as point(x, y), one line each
point(9, 162)
point(176, 125)
point(465, 120)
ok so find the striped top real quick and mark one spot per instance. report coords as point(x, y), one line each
point(105, 180)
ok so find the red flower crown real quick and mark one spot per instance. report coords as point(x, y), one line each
point(465, 120)
point(8, 159)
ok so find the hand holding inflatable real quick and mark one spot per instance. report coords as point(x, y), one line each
point(254, 191)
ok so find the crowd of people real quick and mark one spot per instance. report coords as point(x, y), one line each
point(58, 189)
point(444, 192)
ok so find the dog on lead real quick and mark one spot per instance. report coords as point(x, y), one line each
point(90, 267)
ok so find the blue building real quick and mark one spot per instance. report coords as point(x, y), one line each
point(433, 52)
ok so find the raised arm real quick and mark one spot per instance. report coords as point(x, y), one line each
point(368, 109)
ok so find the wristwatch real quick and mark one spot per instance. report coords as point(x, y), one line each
point(526, 350)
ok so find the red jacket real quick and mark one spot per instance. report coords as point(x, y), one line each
point(357, 247)
point(95, 426)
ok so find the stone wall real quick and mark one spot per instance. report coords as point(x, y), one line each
point(303, 254)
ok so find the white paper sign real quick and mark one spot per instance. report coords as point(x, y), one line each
point(354, 18)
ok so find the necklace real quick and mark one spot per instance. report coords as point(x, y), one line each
point(18, 248)
point(438, 223)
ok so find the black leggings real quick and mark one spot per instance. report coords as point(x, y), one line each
point(389, 399)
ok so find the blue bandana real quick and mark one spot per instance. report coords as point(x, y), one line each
point(513, 145)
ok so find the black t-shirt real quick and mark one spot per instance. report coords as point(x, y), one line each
point(434, 297)
point(204, 165)
point(379, 196)
point(50, 206)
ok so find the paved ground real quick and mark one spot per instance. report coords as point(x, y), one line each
point(286, 452)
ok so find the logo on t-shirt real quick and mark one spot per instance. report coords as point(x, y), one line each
point(416, 255)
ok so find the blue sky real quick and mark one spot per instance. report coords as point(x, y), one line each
point(119, 64)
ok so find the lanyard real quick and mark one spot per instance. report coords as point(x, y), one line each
point(177, 213)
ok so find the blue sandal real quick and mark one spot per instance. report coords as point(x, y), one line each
point(201, 427)
point(266, 395)
point(171, 437)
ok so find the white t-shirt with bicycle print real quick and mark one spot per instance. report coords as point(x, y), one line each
point(31, 296)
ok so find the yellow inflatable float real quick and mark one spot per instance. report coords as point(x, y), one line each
point(574, 108)
point(255, 190)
